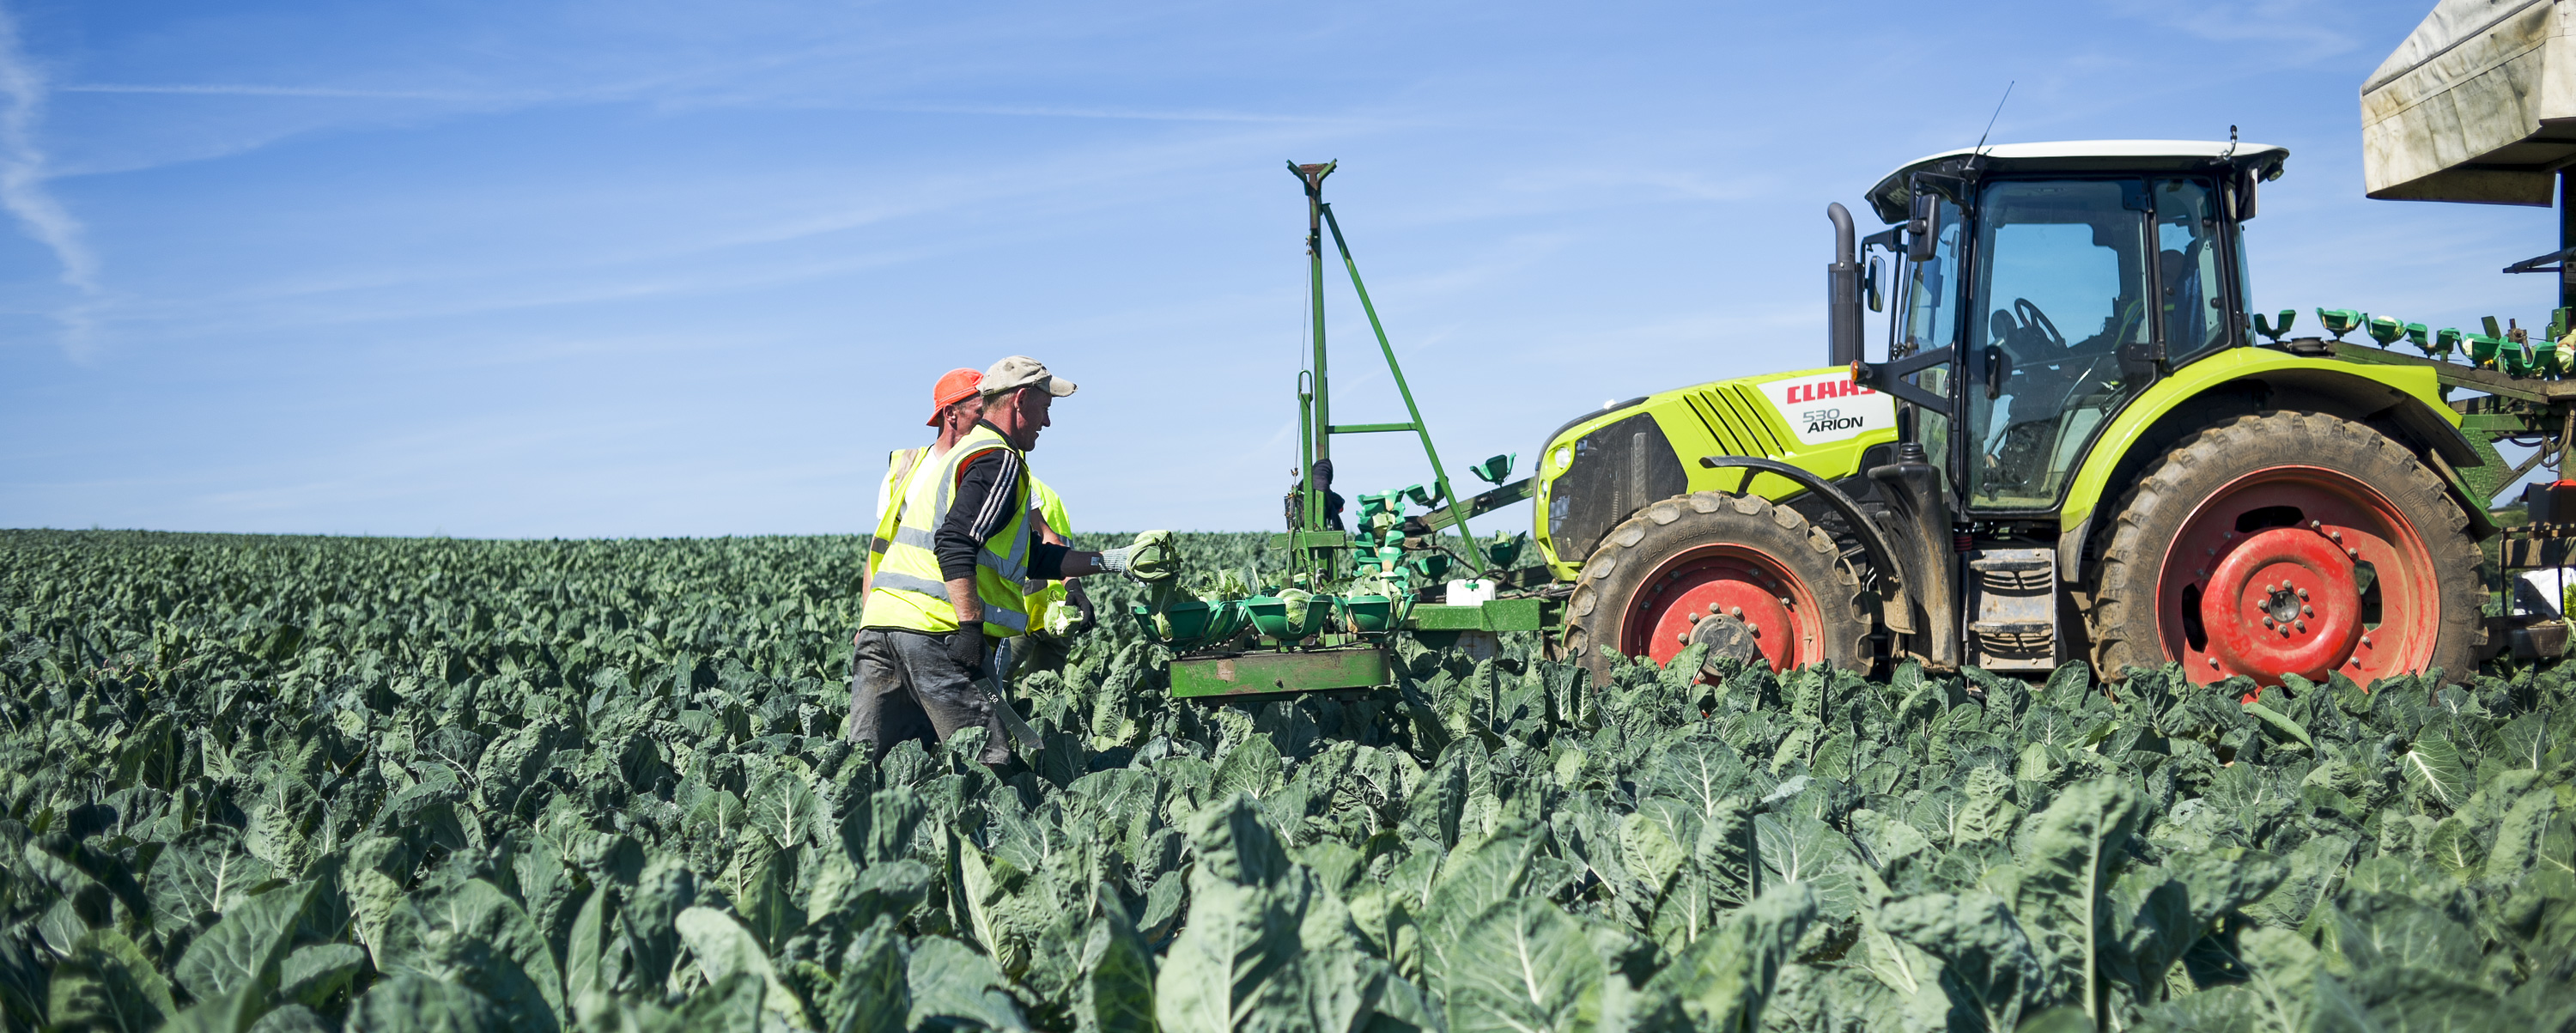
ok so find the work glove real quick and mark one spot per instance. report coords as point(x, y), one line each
point(1150, 558)
point(966, 646)
point(1073, 593)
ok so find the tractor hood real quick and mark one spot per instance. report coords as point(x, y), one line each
point(2479, 104)
point(1892, 195)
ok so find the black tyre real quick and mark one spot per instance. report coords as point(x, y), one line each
point(2288, 543)
point(1751, 579)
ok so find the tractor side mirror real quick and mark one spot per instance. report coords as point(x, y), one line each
point(2242, 197)
point(1918, 228)
point(1869, 288)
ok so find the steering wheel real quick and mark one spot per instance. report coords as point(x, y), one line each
point(2034, 319)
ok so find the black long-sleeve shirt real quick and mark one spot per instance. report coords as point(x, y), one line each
point(980, 509)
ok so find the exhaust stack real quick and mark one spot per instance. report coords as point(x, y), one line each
point(1842, 292)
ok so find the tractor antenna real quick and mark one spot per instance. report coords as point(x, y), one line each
point(1990, 119)
point(2231, 144)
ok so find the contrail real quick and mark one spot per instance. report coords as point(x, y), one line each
point(22, 177)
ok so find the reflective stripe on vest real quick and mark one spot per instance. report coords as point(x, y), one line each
point(900, 467)
point(906, 590)
point(1044, 595)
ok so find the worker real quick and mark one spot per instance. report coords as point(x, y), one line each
point(954, 576)
point(955, 404)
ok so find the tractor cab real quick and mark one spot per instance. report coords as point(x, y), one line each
point(2045, 286)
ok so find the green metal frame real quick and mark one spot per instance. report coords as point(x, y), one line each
point(1319, 556)
point(1494, 615)
point(1264, 674)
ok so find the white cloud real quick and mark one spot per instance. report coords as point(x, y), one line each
point(22, 183)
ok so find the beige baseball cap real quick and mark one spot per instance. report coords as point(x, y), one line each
point(1020, 371)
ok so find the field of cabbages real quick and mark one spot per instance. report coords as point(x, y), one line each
point(294, 784)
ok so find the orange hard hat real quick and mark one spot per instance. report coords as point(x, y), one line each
point(957, 385)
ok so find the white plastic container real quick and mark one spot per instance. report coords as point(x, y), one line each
point(1470, 591)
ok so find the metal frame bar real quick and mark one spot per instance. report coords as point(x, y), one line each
point(1396, 369)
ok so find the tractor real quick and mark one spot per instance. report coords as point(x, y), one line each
point(2078, 448)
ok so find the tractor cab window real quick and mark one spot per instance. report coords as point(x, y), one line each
point(2060, 291)
point(1932, 320)
point(2192, 300)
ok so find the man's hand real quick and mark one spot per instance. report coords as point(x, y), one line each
point(1152, 557)
point(966, 646)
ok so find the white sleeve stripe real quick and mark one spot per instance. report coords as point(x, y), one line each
point(998, 501)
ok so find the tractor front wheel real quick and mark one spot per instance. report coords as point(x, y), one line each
point(2288, 543)
point(1752, 580)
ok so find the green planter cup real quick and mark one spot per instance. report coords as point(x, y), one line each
point(1191, 624)
point(1368, 613)
point(1270, 615)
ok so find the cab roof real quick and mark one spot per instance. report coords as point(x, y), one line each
point(1892, 196)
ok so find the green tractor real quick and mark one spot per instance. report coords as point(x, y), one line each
point(2081, 447)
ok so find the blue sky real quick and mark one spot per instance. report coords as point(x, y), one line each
point(637, 268)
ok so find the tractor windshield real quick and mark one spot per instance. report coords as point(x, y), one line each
point(2060, 289)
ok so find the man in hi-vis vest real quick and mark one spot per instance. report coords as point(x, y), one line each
point(955, 572)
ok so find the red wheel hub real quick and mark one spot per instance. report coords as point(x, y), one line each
point(1730, 584)
point(2287, 601)
point(2297, 570)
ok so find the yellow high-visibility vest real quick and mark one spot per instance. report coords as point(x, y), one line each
point(901, 464)
point(905, 590)
point(1044, 595)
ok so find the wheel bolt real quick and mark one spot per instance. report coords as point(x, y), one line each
point(2334, 535)
point(1695, 617)
point(2267, 622)
point(2354, 553)
point(2267, 588)
point(2365, 640)
point(1712, 607)
point(1784, 604)
point(2303, 593)
point(2213, 661)
point(2307, 611)
point(1683, 639)
point(1756, 629)
point(2303, 626)
point(1736, 612)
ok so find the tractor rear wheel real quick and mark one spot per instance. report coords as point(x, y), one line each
point(2288, 543)
point(1753, 580)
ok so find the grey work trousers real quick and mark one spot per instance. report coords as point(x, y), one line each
point(904, 685)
